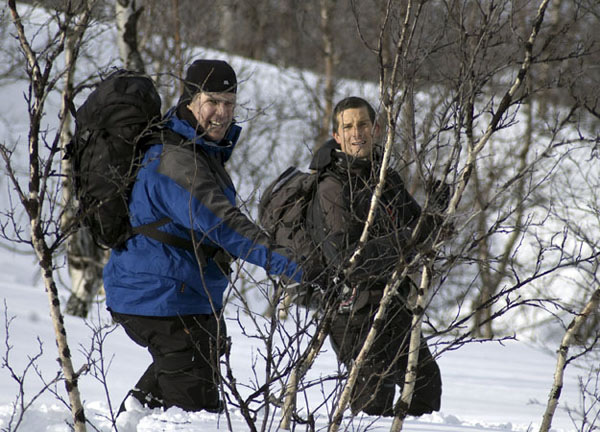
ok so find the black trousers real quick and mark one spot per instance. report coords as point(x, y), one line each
point(185, 351)
point(385, 365)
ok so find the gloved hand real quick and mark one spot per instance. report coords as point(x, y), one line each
point(311, 292)
point(440, 194)
point(317, 277)
point(324, 291)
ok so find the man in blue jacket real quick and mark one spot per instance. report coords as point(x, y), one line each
point(168, 298)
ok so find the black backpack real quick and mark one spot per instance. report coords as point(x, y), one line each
point(111, 128)
point(282, 212)
point(112, 131)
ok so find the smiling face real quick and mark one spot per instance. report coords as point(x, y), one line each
point(355, 132)
point(214, 113)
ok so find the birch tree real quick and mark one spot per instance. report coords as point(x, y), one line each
point(39, 196)
point(126, 16)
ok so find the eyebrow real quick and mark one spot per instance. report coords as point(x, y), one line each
point(359, 122)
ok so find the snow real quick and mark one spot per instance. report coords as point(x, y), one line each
point(487, 386)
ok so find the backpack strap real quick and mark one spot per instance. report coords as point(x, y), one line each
point(202, 252)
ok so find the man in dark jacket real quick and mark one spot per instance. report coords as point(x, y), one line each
point(348, 173)
point(167, 298)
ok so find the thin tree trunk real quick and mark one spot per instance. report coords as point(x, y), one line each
point(291, 390)
point(177, 42)
point(227, 33)
point(327, 7)
point(561, 362)
point(71, 377)
point(127, 17)
point(33, 201)
point(413, 352)
point(33, 207)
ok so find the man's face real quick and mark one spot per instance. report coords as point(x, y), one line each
point(214, 113)
point(355, 132)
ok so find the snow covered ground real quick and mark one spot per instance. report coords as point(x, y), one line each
point(487, 387)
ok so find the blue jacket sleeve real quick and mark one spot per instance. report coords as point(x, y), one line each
point(198, 195)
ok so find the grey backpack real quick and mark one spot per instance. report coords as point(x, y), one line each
point(282, 212)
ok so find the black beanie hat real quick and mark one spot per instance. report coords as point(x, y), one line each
point(215, 76)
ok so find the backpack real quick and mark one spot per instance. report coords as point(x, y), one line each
point(112, 132)
point(111, 127)
point(282, 212)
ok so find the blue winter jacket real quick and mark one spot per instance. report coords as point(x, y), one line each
point(183, 178)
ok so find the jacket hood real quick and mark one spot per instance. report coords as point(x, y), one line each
point(182, 126)
point(323, 157)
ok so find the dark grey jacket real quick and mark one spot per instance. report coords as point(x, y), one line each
point(340, 208)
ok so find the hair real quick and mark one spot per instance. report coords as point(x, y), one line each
point(349, 103)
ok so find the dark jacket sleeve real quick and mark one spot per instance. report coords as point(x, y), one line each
point(410, 212)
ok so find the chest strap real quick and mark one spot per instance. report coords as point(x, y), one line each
point(202, 252)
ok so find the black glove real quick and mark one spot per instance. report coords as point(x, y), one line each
point(440, 194)
point(311, 292)
point(316, 276)
point(324, 291)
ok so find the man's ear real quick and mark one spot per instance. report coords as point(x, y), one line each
point(190, 104)
point(193, 100)
point(376, 131)
point(337, 138)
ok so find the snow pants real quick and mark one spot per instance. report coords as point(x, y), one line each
point(185, 354)
point(385, 366)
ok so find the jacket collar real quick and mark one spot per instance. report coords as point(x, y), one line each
point(330, 155)
point(323, 157)
point(183, 127)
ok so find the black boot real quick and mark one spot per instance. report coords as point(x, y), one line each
point(418, 408)
point(219, 408)
point(146, 391)
point(372, 394)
